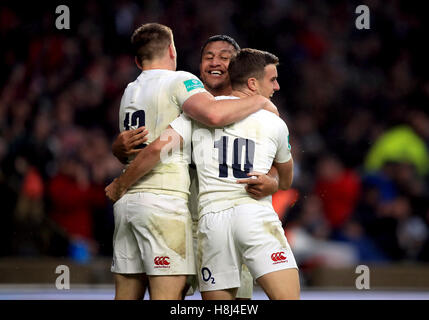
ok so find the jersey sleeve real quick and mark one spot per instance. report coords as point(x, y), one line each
point(183, 126)
point(185, 86)
point(283, 153)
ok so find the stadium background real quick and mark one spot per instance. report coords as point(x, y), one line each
point(355, 101)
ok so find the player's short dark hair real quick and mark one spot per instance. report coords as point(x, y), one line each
point(150, 41)
point(220, 37)
point(249, 63)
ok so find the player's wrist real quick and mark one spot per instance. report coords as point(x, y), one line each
point(122, 188)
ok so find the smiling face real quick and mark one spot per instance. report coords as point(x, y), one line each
point(268, 84)
point(214, 67)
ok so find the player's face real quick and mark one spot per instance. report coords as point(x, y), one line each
point(214, 65)
point(268, 84)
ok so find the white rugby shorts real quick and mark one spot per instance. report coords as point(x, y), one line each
point(152, 235)
point(246, 281)
point(251, 234)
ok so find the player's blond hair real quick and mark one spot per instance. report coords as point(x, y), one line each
point(150, 41)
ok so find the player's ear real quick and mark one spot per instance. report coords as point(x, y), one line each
point(138, 63)
point(252, 84)
point(172, 51)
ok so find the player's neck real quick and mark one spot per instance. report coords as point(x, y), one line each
point(164, 64)
point(243, 93)
point(220, 91)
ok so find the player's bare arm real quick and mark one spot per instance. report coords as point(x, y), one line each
point(285, 171)
point(260, 185)
point(126, 143)
point(145, 161)
point(218, 113)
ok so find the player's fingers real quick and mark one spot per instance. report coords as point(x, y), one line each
point(112, 195)
point(255, 187)
point(247, 181)
point(129, 134)
point(243, 181)
point(133, 151)
point(109, 194)
point(109, 186)
point(255, 174)
point(142, 131)
point(253, 190)
point(253, 194)
point(138, 130)
point(139, 136)
point(138, 142)
point(251, 180)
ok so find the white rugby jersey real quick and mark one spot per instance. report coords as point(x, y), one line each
point(153, 100)
point(224, 155)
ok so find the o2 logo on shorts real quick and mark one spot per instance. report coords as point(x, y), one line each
point(278, 257)
point(207, 275)
point(161, 262)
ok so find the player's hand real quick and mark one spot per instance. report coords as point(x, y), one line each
point(113, 191)
point(127, 141)
point(269, 106)
point(259, 185)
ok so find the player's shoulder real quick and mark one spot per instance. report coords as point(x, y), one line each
point(160, 74)
point(189, 80)
point(133, 83)
point(131, 86)
point(266, 115)
point(139, 81)
point(269, 119)
point(184, 75)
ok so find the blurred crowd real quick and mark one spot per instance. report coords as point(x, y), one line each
point(355, 102)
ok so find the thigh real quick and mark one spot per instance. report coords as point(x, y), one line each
point(218, 259)
point(130, 286)
point(166, 287)
point(281, 285)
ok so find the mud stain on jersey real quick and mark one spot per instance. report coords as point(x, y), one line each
point(172, 231)
point(274, 229)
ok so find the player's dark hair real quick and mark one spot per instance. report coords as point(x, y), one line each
point(220, 37)
point(249, 63)
point(150, 41)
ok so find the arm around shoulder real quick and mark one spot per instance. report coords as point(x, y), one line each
point(204, 108)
